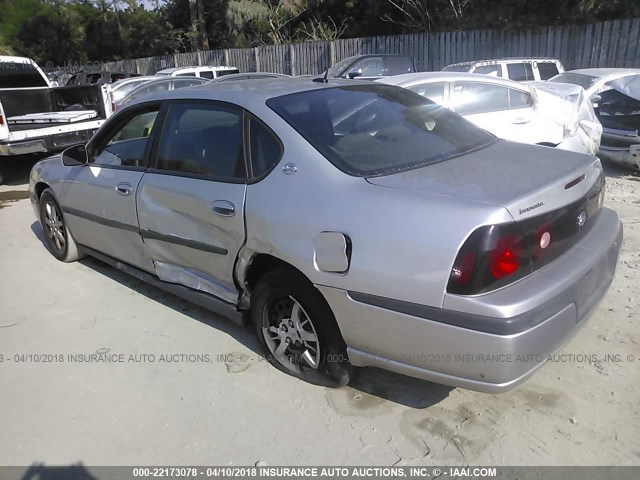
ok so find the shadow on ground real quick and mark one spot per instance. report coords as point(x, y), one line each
point(42, 472)
point(390, 386)
point(612, 170)
point(16, 170)
point(7, 197)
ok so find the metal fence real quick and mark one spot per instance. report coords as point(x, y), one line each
point(613, 43)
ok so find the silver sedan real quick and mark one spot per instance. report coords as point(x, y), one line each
point(351, 224)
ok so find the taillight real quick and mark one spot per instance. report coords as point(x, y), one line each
point(504, 259)
point(1, 120)
point(491, 257)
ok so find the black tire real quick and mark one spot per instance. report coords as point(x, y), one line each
point(270, 308)
point(59, 240)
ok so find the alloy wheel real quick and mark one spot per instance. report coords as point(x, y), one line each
point(291, 336)
point(54, 226)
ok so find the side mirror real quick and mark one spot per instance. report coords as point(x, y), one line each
point(595, 99)
point(354, 73)
point(74, 156)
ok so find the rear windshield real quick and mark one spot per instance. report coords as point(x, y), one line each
point(20, 75)
point(585, 81)
point(222, 73)
point(371, 130)
point(457, 68)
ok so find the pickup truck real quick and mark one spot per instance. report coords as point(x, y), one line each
point(38, 118)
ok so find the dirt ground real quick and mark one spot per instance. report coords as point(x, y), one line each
point(217, 402)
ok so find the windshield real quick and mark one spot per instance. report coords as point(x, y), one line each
point(585, 81)
point(371, 130)
point(20, 75)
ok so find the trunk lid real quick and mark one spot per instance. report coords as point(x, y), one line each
point(527, 180)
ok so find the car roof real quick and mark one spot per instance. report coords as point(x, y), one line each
point(605, 72)
point(408, 79)
point(124, 81)
point(195, 67)
point(505, 59)
point(249, 76)
point(241, 93)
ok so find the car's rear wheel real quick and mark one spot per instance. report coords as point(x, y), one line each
point(297, 330)
point(57, 235)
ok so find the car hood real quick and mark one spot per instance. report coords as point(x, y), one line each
point(527, 180)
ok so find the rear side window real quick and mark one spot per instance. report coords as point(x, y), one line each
point(518, 99)
point(203, 140)
point(206, 74)
point(433, 91)
point(372, 130)
point(266, 149)
point(475, 97)
point(547, 70)
point(520, 71)
point(398, 65)
point(186, 74)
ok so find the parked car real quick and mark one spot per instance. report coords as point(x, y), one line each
point(518, 69)
point(97, 77)
point(35, 117)
point(157, 85)
point(372, 66)
point(615, 93)
point(202, 71)
point(122, 88)
point(527, 113)
point(409, 240)
point(248, 76)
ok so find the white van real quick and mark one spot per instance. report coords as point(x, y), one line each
point(520, 69)
point(201, 71)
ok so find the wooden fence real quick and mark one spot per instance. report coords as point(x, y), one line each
point(613, 43)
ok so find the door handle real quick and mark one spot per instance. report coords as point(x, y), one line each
point(521, 121)
point(124, 189)
point(223, 208)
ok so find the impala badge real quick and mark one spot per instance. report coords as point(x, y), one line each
point(581, 219)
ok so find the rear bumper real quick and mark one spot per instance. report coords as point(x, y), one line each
point(621, 147)
point(49, 143)
point(23, 148)
point(430, 344)
point(627, 157)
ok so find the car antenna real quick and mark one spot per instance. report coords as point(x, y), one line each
point(324, 78)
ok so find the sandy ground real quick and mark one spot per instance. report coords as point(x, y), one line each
point(233, 408)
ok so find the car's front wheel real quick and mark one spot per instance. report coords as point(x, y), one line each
point(57, 235)
point(297, 330)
